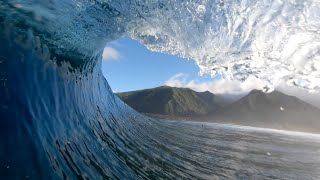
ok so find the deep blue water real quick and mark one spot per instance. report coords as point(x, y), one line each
point(60, 120)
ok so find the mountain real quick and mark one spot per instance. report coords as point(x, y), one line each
point(274, 110)
point(270, 110)
point(171, 102)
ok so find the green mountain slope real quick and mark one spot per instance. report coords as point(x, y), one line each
point(270, 110)
point(258, 109)
point(172, 102)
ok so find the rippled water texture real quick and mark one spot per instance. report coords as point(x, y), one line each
point(60, 119)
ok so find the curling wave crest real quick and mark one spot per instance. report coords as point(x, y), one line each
point(277, 41)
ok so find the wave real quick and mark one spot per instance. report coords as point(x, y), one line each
point(276, 41)
point(60, 119)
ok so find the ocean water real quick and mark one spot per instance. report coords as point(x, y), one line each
point(60, 120)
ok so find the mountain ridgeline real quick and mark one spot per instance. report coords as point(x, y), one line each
point(274, 110)
point(174, 103)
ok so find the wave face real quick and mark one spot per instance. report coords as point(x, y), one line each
point(60, 119)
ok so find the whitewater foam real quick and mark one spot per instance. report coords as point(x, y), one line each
point(274, 40)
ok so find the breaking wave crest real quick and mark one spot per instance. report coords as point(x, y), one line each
point(276, 41)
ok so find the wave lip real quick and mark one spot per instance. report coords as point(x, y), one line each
point(275, 41)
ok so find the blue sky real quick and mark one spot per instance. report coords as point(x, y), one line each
point(128, 65)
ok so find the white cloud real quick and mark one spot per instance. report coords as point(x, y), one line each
point(234, 89)
point(221, 86)
point(110, 54)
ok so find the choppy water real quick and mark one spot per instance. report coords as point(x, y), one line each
point(60, 119)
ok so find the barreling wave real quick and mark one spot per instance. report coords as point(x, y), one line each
point(276, 41)
point(60, 119)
